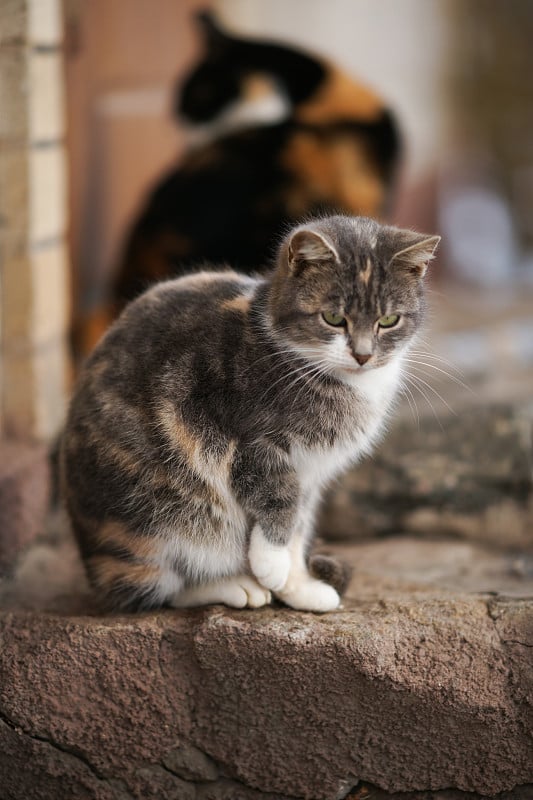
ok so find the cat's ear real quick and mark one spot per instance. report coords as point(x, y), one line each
point(309, 247)
point(215, 38)
point(415, 252)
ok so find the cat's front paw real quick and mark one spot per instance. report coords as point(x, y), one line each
point(311, 595)
point(269, 563)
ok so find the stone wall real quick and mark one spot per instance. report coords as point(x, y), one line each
point(33, 220)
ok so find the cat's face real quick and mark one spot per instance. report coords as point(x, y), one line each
point(348, 292)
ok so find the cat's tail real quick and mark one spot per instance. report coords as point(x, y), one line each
point(330, 570)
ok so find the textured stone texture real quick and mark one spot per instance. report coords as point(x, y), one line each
point(471, 478)
point(24, 494)
point(422, 682)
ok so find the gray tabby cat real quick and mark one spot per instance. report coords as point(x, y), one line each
point(208, 420)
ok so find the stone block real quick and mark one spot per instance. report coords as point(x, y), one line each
point(35, 297)
point(46, 97)
point(13, 92)
point(45, 22)
point(52, 386)
point(35, 382)
point(421, 682)
point(19, 398)
point(17, 292)
point(13, 21)
point(14, 192)
point(51, 292)
point(48, 201)
point(24, 492)
point(470, 478)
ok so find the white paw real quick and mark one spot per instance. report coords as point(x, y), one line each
point(311, 595)
point(240, 591)
point(232, 595)
point(269, 563)
point(256, 595)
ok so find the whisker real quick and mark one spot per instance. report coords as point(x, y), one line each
point(435, 357)
point(444, 372)
point(318, 371)
point(283, 377)
point(407, 393)
point(411, 380)
point(430, 387)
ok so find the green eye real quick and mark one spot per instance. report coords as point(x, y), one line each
point(388, 322)
point(334, 319)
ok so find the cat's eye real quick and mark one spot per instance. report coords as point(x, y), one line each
point(337, 320)
point(388, 321)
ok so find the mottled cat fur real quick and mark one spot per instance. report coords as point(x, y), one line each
point(207, 421)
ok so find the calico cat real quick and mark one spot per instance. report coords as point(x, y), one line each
point(207, 421)
point(336, 150)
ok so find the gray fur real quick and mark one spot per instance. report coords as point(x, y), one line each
point(183, 427)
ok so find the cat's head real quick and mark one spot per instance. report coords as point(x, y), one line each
point(348, 292)
point(215, 81)
point(225, 74)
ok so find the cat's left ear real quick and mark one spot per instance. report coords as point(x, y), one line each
point(417, 250)
point(309, 247)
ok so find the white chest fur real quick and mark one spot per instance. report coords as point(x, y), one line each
point(374, 392)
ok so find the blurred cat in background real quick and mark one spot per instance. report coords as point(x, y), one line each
point(335, 150)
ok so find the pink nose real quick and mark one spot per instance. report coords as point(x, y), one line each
point(362, 359)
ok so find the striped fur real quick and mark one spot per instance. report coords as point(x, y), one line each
point(206, 422)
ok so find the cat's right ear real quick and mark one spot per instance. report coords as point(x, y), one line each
point(309, 247)
point(215, 38)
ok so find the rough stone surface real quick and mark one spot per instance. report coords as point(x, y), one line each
point(422, 683)
point(24, 490)
point(469, 477)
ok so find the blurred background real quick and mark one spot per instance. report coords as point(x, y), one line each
point(459, 78)
point(100, 88)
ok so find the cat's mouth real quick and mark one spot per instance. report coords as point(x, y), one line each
point(354, 367)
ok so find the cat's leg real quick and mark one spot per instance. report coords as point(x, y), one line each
point(301, 590)
point(269, 561)
point(267, 488)
point(237, 591)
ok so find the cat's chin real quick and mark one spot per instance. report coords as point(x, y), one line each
point(364, 376)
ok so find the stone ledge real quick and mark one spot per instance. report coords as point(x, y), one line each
point(419, 684)
point(468, 477)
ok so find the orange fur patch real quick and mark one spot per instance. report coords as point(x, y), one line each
point(171, 422)
point(340, 97)
point(365, 274)
point(115, 533)
point(106, 570)
point(240, 303)
point(335, 171)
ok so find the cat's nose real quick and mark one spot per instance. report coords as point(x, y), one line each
point(362, 359)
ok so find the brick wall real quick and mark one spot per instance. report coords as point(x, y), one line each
point(34, 286)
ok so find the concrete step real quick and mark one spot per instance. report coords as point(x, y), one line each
point(422, 683)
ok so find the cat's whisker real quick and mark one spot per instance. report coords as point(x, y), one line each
point(318, 371)
point(432, 389)
point(411, 380)
point(310, 371)
point(435, 357)
point(285, 376)
point(276, 354)
point(444, 372)
point(407, 393)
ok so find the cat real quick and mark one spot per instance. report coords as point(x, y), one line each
point(336, 150)
point(216, 408)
